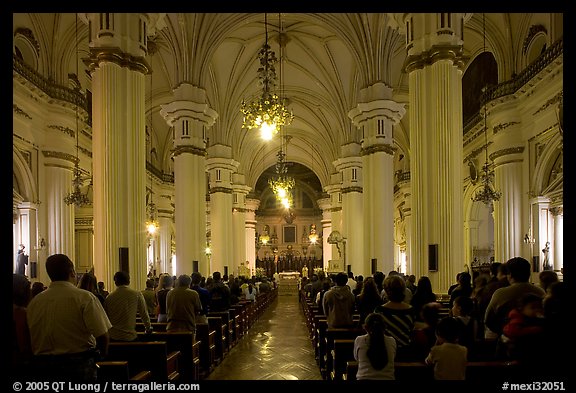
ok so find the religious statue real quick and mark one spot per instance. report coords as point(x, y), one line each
point(21, 260)
point(244, 270)
point(546, 263)
point(305, 271)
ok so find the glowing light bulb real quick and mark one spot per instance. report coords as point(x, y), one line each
point(267, 130)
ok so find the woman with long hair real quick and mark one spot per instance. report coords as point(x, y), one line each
point(375, 351)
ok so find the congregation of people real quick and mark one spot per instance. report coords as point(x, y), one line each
point(62, 330)
point(499, 316)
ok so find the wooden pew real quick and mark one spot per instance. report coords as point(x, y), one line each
point(334, 334)
point(189, 361)
point(208, 358)
point(223, 339)
point(342, 352)
point(475, 371)
point(150, 355)
point(156, 326)
point(118, 370)
point(220, 329)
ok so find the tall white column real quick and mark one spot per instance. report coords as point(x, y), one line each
point(239, 212)
point(190, 115)
point(557, 249)
point(117, 63)
point(350, 167)
point(60, 216)
point(165, 220)
point(27, 218)
point(376, 114)
point(435, 53)
point(251, 205)
point(326, 207)
point(220, 167)
point(508, 218)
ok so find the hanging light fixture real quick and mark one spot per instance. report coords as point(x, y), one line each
point(152, 224)
point(268, 112)
point(282, 184)
point(76, 197)
point(487, 194)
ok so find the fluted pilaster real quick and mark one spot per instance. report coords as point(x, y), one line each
point(326, 206)
point(251, 205)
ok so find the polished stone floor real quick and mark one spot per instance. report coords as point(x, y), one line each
point(277, 347)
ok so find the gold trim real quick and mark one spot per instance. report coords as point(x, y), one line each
point(436, 53)
point(65, 130)
point(20, 111)
point(60, 155)
point(346, 190)
point(557, 98)
point(507, 162)
point(507, 151)
point(502, 126)
point(117, 56)
point(556, 211)
point(225, 190)
point(381, 147)
point(189, 149)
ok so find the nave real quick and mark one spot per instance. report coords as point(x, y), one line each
point(277, 347)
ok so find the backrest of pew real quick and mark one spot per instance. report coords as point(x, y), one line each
point(113, 370)
point(156, 326)
point(342, 351)
point(178, 341)
point(149, 355)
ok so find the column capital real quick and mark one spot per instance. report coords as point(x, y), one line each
point(252, 204)
point(324, 204)
point(189, 101)
point(557, 211)
point(374, 102)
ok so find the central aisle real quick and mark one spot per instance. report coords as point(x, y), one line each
point(277, 347)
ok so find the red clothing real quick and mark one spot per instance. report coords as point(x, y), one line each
point(519, 325)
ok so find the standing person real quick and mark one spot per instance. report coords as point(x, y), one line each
point(150, 297)
point(368, 299)
point(21, 347)
point(375, 351)
point(21, 261)
point(338, 303)
point(123, 306)
point(68, 326)
point(504, 299)
point(164, 286)
point(102, 290)
point(448, 357)
point(204, 295)
point(219, 294)
point(183, 305)
point(89, 283)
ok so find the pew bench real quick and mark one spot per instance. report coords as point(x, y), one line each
point(149, 355)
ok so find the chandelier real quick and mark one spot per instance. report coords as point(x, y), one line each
point(268, 112)
point(281, 184)
point(76, 197)
point(487, 194)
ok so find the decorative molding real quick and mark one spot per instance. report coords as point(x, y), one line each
point(85, 151)
point(29, 35)
point(60, 155)
point(65, 130)
point(152, 47)
point(436, 53)
point(475, 152)
point(557, 211)
point(346, 190)
point(445, 31)
point(116, 56)
point(385, 148)
point(502, 126)
point(189, 149)
point(544, 131)
point(225, 190)
point(557, 98)
point(534, 29)
point(84, 222)
point(242, 210)
point(20, 112)
point(507, 151)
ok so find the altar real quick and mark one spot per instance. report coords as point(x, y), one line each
point(288, 283)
